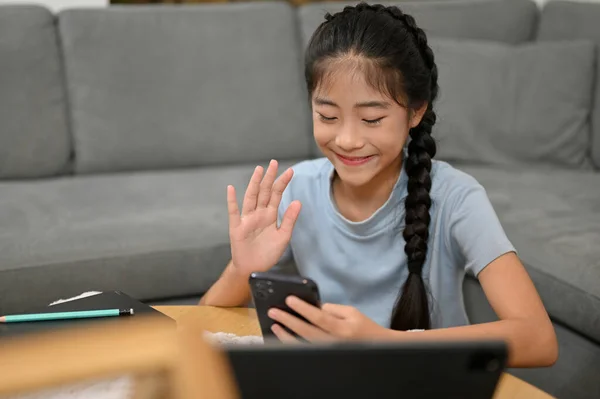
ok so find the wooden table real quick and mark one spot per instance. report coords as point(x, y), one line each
point(243, 321)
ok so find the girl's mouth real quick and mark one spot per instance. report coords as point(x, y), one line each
point(353, 161)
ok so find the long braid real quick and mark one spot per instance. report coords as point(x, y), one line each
point(412, 311)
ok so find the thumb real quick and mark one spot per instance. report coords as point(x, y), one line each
point(339, 311)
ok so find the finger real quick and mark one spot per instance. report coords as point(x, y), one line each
point(251, 195)
point(289, 218)
point(232, 208)
point(339, 311)
point(313, 314)
point(300, 327)
point(266, 185)
point(279, 187)
point(283, 335)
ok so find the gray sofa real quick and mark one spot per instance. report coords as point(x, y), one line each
point(120, 129)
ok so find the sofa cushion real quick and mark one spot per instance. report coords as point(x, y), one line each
point(503, 21)
point(153, 87)
point(149, 234)
point(34, 140)
point(504, 104)
point(553, 219)
point(562, 20)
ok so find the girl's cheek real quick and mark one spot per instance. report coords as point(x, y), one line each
point(323, 135)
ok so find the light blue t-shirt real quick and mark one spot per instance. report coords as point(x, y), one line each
point(363, 264)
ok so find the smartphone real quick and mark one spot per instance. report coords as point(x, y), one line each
point(269, 290)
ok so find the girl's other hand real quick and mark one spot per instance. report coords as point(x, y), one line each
point(257, 243)
point(329, 323)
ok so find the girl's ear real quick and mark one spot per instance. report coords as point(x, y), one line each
point(417, 114)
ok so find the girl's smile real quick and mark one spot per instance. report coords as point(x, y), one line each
point(354, 161)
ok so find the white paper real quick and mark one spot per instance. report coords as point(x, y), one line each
point(84, 295)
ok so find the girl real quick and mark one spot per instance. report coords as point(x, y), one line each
point(386, 232)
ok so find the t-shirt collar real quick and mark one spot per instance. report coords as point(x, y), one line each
point(384, 216)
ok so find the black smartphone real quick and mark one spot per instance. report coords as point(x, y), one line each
point(269, 290)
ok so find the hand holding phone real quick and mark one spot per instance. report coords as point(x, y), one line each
point(269, 290)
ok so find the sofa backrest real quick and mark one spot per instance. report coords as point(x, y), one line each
point(165, 87)
point(504, 21)
point(34, 137)
point(510, 22)
point(514, 106)
point(562, 20)
point(157, 87)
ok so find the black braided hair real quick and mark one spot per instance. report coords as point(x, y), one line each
point(392, 43)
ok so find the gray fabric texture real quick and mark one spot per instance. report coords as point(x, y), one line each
point(154, 87)
point(34, 140)
point(149, 234)
point(503, 21)
point(563, 20)
point(502, 104)
point(575, 374)
point(552, 216)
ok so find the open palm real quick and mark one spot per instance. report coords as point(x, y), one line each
point(257, 243)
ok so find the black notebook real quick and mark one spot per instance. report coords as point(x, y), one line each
point(105, 300)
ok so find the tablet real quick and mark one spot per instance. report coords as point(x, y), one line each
point(427, 370)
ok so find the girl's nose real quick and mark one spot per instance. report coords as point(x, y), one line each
point(349, 139)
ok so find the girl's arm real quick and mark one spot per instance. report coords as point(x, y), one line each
point(524, 324)
point(475, 232)
point(230, 290)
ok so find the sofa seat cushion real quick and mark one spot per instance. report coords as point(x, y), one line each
point(151, 235)
point(553, 219)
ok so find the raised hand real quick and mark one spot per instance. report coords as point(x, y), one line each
point(257, 243)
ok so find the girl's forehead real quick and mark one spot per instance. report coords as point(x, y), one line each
point(344, 82)
point(353, 77)
point(346, 92)
point(344, 70)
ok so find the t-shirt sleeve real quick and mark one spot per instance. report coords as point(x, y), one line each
point(476, 235)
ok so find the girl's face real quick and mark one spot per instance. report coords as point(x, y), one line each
point(360, 130)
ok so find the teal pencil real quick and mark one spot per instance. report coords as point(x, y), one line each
point(83, 314)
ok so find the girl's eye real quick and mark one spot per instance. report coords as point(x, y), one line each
point(373, 121)
point(326, 119)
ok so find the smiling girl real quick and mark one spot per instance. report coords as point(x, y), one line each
point(386, 232)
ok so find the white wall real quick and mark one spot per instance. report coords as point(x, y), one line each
point(57, 5)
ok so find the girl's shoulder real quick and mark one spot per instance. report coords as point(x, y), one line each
point(312, 170)
point(449, 182)
point(309, 180)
